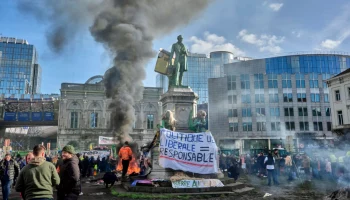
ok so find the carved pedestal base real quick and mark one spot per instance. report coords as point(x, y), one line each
point(180, 101)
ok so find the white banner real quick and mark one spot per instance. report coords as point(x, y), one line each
point(191, 152)
point(106, 140)
point(205, 183)
point(96, 153)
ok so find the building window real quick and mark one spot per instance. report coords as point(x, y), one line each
point(348, 92)
point(232, 113)
point(272, 81)
point(325, 77)
point(286, 81)
point(93, 120)
point(288, 112)
point(260, 112)
point(290, 126)
point(261, 126)
point(233, 127)
point(74, 120)
point(304, 126)
point(337, 95)
point(245, 85)
point(274, 112)
point(302, 111)
point(318, 126)
point(328, 112)
point(340, 117)
point(287, 97)
point(300, 80)
point(301, 97)
point(232, 99)
point(316, 111)
point(245, 98)
point(313, 80)
point(275, 126)
point(315, 97)
point(231, 82)
point(150, 121)
point(273, 98)
point(329, 126)
point(258, 81)
point(259, 98)
point(246, 112)
point(326, 98)
point(247, 126)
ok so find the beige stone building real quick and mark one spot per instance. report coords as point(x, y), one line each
point(84, 114)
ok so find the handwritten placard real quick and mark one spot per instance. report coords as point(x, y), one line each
point(191, 152)
point(205, 183)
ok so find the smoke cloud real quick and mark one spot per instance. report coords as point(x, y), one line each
point(126, 28)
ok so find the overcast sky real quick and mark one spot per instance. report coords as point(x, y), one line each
point(254, 28)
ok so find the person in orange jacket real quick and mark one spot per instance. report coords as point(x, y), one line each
point(125, 154)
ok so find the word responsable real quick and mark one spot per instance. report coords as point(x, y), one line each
point(193, 152)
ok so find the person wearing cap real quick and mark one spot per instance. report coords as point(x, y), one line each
point(125, 154)
point(69, 187)
point(37, 178)
point(9, 170)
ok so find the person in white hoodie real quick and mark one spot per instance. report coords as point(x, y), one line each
point(270, 166)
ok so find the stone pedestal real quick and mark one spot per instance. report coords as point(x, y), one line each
point(158, 171)
point(180, 101)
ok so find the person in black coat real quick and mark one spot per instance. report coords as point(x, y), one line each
point(234, 169)
point(85, 166)
point(69, 187)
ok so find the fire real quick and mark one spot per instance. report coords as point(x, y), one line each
point(133, 166)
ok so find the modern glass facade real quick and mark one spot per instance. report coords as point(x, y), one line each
point(200, 69)
point(19, 69)
point(291, 88)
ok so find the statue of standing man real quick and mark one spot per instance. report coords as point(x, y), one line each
point(180, 62)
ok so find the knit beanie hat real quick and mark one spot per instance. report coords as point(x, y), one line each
point(69, 149)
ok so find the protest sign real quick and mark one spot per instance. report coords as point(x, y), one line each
point(204, 183)
point(95, 153)
point(191, 152)
point(107, 140)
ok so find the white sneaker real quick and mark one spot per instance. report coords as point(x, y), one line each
point(81, 193)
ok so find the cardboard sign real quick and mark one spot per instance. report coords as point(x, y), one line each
point(191, 152)
point(205, 183)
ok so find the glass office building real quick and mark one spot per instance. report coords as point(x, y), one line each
point(200, 69)
point(259, 103)
point(19, 69)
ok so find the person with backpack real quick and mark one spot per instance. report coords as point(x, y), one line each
point(270, 166)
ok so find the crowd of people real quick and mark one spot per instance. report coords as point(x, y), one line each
point(35, 176)
point(303, 166)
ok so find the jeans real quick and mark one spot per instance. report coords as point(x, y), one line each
point(6, 188)
point(271, 174)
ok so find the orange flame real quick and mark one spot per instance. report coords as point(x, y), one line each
point(133, 166)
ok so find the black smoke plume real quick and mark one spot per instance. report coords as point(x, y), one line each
point(127, 28)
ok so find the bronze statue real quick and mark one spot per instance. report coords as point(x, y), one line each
point(180, 62)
